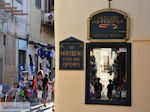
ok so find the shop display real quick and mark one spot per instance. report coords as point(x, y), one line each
point(108, 73)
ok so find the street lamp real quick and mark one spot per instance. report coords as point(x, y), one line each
point(4, 43)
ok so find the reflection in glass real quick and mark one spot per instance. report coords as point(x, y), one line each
point(108, 73)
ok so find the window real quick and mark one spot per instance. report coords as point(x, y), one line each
point(38, 3)
point(2, 1)
point(19, 1)
point(49, 5)
point(22, 58)
point(108, 73)
point(22, 45)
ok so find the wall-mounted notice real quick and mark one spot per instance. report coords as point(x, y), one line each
point(108, 25)
point(71, 54)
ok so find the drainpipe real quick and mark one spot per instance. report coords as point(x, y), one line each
point(4, 43)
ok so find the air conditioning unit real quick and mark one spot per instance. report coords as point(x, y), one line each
point(49, 18)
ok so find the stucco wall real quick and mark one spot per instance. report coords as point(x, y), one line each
point(10, 61)
point(71, 20)
point(36, 30)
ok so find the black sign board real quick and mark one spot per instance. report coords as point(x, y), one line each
point(108, 24)
point(71, 54)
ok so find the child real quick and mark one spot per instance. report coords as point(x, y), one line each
point(14, 91)
point(53, 90)
point(49, 92)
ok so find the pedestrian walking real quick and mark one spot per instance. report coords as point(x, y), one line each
point(110, 88)
point(45, 88)
point(98, 89)
point(35, 84)
point(39, 86)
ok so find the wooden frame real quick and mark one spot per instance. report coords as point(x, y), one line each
point(13, 10)
point(108, 40)
point(8, 7)
point(71, 54)
point(19, 13)
point(1, 4)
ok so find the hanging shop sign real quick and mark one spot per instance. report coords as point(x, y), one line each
point(108, 25)
point(71, 54)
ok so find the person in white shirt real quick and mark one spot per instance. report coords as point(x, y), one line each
point(50, 89)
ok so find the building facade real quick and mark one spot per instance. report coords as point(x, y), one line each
point(41, 37)
point(27, 39)
point(71, 21)
point(14, 27)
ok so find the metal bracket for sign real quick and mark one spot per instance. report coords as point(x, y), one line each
point(109, 3)
point(109, 40)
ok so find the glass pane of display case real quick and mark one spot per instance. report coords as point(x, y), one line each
point(108, 73)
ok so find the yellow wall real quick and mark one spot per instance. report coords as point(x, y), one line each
point(71, 20)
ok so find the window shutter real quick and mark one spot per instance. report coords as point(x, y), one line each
point(38, 3)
